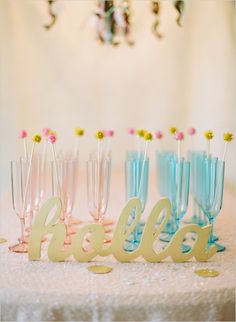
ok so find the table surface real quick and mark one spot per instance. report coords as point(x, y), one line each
point(43, 290)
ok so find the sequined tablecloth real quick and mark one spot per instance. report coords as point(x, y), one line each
point(47, 291)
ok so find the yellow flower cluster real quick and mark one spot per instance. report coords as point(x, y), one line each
point(173, 130)
point(37, 138)
point(141, 132)
point(99, 135)
point(228, 136)
point(209, 135)
point(148, 136)
point(79, 131)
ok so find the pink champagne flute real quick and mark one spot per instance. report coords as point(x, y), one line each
point(17, 194)
point(65, 189)
point(33, 197)
point(98, 186)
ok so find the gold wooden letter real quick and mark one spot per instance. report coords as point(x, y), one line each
point(39, 230)
point(122, 232)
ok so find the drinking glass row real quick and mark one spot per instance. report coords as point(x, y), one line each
point(173, 181)
point(174, 175)
point(29, 190)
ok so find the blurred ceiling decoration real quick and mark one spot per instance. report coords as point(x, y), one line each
point(113, 22)
point(156, 11)
point(112, 19)
point(155, 7)
point(179, 6)
point(52, 15)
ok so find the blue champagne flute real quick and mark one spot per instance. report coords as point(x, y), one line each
point(196, 167)
point(178, 194)
point(136, 183)
point(212, 186)
point(162, 180)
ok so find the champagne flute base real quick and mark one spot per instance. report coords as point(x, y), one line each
point(108, 222)
point(106, 240)
point(131, 246)
point(130, 239)
point(21, 247)
point(74, 221)
point(27, 239)
point(215, 238)
point(219, 247)
point(167, 238)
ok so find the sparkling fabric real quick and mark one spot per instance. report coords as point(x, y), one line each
point(47, 291)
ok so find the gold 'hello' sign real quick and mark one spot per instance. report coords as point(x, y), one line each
point(122, 231)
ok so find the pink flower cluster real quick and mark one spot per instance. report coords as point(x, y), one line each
point(158, 135)
point(22, 134)
point(191, 131)
point(179, 136)
point(108, 133)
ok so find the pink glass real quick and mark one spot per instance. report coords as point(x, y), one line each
point(66, 170)
point(17, 203)
point(98, 186)
point(33, 197)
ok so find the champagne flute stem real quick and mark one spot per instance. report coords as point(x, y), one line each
point(27, 180)
point(22, 226)
point(177, 223)
point(31, 220)
point(135, 233)
point(211, 238)
point(100, 219)
point(22, 216)
point(195, 212)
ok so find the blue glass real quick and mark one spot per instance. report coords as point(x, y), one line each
point(210, 192)
point(178, 193)
point(163, 173)
point(136, 184)
point(198, 216)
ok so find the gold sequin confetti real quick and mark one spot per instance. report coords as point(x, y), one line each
point(100, 269)
point(3, 240)
point(205, 272)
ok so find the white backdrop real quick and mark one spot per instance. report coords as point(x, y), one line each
point(64, 78)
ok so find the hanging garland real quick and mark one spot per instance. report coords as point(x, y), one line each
point(179, 6)
point(52, 15)
point(106, 23)
point(126, 26)
point(156, 12)
point(113, 22)
point(113, 19)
